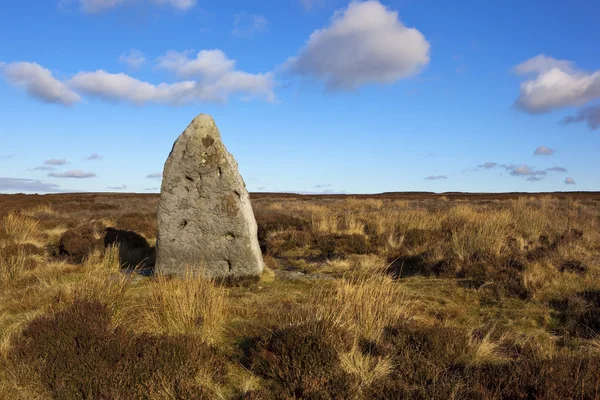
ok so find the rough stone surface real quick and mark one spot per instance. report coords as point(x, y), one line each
point(205, 219)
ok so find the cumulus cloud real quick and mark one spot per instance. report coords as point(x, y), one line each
point(541, 63)
point(436, 177)
point(207, 64)
point(556, 84)
point(569, 181)
point(591, 115)
point(215, 79)
point(216, 75)
point(94, 156)
point(28, 185)
point(122, 187)
point(248, 24)
point(156, 175)
point(97, 6)
point(365, 43)
point(39, 83)
point(534, 179)
point(123, 87)
point(556, 169)
point(133, 58)
point(77, 174)
point(543, 151)
point(55, 161)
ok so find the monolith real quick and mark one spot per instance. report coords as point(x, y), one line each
point(205, 219)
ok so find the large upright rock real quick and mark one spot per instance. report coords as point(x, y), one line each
point(205, 219)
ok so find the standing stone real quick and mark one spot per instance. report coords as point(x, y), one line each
point(205, 219)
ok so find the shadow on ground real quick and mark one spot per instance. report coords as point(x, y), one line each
point(135, 253)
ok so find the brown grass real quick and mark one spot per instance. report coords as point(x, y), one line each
point(460, 297)
point(190, 306)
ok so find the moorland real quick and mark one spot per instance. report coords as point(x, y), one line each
point(392, 296)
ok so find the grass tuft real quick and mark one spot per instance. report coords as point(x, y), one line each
point(190, 306)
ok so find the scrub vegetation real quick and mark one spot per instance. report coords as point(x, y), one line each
point(396, 296)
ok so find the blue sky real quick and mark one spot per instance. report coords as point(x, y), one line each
point(309, 95)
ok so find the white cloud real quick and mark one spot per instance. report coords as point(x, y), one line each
point(365, 43)
point(250, 85)
point(97, 6)
point(133, 58)
point(436, 177)
point(156, 175)
point(248, 24)
point(558, 84)
point(72, 174)
point(122, 187)
point(39, 83)
point(591, 115)
point(123, 87)
point(208, 64)
point(217, 76)
point(55, 161)
point(569, 181)
point(541, 63)
point(213, 78)
point(543, 151)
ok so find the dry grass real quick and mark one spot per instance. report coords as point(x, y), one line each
point(12, 267)
point(417, 298)
point(486, 350)
point(477, 233)
point(40, 211)
point(365, 305)
point(190, 306)
point(20, 229)
point(368, 369)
